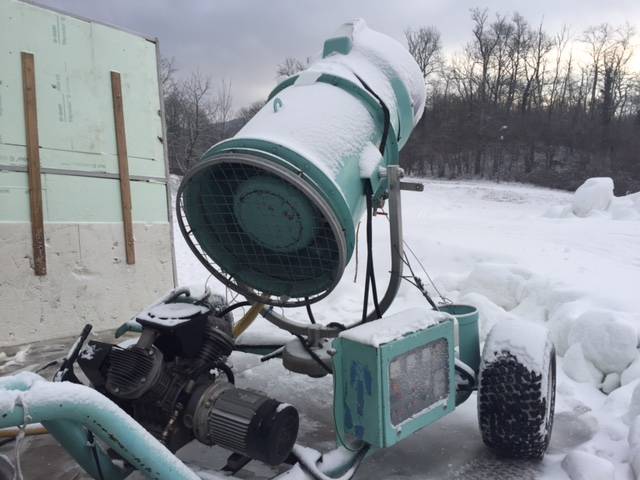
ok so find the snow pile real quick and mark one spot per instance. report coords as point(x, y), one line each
point(594, 194)
point(595, 198)
point(598, 358)
point(599, 343)
point(19, 358)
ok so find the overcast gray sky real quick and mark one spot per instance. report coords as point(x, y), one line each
point(244, 40)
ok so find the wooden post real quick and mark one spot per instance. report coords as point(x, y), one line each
point(123, 165)
point(33, 163)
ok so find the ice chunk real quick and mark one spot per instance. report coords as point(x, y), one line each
point(561, 321)
point(577, 367)
point(632, 372)
point(585, 466)
point(607, 340)
point(594, 194)
point(610, 383)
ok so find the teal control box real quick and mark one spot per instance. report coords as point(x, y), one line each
point(394, 376)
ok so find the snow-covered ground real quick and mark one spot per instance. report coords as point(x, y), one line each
point(514, 251)
point(570, 262)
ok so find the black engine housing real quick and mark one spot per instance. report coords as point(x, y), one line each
point(176, 383)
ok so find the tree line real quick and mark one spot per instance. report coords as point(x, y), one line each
point(517, 103)
point(520, 104)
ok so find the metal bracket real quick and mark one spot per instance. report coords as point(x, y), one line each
point(412, 186)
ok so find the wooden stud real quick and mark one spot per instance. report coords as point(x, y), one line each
point(33, 163)
point(123, 166)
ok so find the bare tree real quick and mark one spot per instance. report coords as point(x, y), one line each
point(167, 70)
point(290, 66)
point(561, 41)
point(246, 113)
point(502, 30)
point(425, 46)
point(597, 39)
point(518, 47)
point(483, 47)
point(221, 109)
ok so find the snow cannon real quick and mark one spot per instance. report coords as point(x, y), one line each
point(272, 211)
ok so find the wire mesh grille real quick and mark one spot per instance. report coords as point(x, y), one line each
point(259, 233)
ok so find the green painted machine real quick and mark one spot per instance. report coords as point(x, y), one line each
point(272, 213)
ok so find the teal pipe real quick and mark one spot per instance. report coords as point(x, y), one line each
point(70, 409)
point(468, 334)
point(73, 438)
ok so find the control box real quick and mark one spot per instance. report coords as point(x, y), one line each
point(394, 376)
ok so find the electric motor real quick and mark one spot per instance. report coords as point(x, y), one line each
point(245, 422)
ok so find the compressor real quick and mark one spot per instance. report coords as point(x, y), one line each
point(174, 381)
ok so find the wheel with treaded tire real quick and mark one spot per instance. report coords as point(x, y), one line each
point(516, 390)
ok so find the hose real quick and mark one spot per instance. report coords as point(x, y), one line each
point(312, 468)
point(233, 307)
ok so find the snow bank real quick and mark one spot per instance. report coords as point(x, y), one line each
point(594, 198)
point(503, 284)
point(599, 343)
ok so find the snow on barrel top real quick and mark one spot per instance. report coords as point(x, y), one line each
point(394, 326)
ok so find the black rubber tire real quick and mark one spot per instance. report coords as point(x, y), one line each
point(515, 403)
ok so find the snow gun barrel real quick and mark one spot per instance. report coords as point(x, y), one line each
point(271, 212)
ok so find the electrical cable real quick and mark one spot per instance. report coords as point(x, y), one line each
point(442, 297)
point(233, 307)
point(309, 312)
point(374, 289)
point(370, 279)
point(226, 369)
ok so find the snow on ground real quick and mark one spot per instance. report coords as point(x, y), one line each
point(571, 262)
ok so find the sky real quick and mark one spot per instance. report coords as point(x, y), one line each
point(242, 41)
